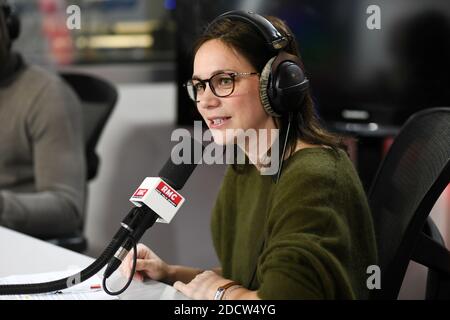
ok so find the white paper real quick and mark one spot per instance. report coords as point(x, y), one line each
point(81, 291)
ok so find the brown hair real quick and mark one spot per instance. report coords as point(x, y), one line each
point(244, 38)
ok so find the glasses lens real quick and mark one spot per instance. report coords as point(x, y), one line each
point(191, 90)
point(223, 84)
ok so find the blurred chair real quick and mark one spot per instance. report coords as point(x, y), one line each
point(438, 280)
point(98, 98)
point(413, 175)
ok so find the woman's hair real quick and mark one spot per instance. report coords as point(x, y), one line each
point(249, 42)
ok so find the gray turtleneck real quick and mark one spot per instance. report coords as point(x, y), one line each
point(42, 163)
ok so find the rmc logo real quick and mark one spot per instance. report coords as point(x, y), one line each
point(168, 193)
point(140, 193)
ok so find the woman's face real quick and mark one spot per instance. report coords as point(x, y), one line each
point(243, 108)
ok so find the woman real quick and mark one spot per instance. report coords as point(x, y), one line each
point(307, 235)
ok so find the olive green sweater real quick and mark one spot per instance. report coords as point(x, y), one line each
point(319, 237)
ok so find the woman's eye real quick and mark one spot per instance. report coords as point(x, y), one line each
point(199, 86)
point(225, 81)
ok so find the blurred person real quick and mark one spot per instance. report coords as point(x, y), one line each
point(308, 235)
point(42, 162)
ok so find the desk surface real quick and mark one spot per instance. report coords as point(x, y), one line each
point(22, 254)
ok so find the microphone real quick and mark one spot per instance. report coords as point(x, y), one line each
point(156, 200)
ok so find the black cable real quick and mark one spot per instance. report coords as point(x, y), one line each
point(284, 148)
point(130, 278)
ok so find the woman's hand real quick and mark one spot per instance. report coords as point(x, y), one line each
point(202, 287)
point(205, 285)
point(148, 264)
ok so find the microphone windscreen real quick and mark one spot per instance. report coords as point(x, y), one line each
point(190, 151)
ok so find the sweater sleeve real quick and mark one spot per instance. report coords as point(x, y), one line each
point(54, 124)
point(307, 243)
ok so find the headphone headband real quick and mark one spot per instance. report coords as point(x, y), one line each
point(283, 84)
point(275, 40)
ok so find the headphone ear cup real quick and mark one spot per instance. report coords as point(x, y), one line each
point(289, 85)
point(265, 83)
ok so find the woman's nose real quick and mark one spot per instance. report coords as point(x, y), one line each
point(208, 99)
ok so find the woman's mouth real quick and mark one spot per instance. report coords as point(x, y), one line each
point(217, 122)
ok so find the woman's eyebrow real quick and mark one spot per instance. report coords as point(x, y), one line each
point(213, 73)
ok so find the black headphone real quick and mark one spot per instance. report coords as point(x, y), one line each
point(12, 21)
point(283, 84)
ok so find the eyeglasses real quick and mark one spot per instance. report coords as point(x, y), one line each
point(221, 84)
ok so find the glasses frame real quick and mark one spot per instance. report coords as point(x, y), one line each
point(232, 75)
